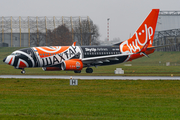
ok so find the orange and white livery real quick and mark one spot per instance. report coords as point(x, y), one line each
point(76, 58)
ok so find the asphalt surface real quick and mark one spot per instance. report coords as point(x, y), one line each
point(93, 77)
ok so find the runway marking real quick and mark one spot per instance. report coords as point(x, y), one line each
point(92, 77)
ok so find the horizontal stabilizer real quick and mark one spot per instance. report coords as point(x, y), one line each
point(144, 54)
point(144, 48)
point(117, 43)
point(155, 47)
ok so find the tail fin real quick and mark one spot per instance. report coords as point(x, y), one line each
point(144, 33)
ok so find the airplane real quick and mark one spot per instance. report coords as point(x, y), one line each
point(75, 58)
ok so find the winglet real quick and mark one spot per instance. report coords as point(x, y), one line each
point(74, 44)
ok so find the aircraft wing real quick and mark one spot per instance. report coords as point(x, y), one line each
point(107, 58)
point(101, 59)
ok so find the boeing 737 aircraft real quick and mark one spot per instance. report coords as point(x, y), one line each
point(75, 58)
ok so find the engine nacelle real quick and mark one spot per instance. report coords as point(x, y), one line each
point(51, 68)
point(74, 64)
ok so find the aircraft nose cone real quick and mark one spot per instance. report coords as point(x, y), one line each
point(4, 59)
point(8, 60)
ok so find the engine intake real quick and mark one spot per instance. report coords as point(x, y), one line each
point(74, 64)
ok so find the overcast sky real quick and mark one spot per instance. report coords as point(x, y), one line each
point(125, 15)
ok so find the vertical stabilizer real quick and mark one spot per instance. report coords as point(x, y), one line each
point(144, 33)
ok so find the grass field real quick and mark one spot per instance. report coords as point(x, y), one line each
point(101, 71)
point(91, 99)
point(153, 66)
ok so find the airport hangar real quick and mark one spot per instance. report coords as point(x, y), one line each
point(17, 31)
point(168, 31)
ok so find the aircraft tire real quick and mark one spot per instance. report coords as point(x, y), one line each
point(89, 70)
point(77, 71)
point(22, 71)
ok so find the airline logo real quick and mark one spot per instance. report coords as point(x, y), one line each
point(144, 33)
point(133, 46)
point(95, 49)
point(78, 65)
point(90, 49)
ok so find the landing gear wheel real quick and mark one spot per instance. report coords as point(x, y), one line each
point(77, 71)
point(89, 70)
point(23, 71)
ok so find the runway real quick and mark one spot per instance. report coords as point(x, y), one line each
point(93, 77)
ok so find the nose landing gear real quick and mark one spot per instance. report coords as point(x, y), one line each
point(23, 71)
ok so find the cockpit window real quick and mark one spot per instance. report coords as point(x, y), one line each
point(16, 54)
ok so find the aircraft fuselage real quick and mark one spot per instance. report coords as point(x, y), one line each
point(78, 57)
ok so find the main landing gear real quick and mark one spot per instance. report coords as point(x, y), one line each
point(89, 70)
point(77, 71)
point(23, 71)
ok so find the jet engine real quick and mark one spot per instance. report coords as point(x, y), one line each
point(51, 68)
point(73, 64)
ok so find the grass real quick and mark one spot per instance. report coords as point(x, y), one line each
point(153, 66)
point(156, 57)
point(100, 71)
point(91, 99)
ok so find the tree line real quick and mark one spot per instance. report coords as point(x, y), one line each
point(84, 34)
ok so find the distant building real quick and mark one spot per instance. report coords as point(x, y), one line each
point(168, 31)
point(16, 31)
